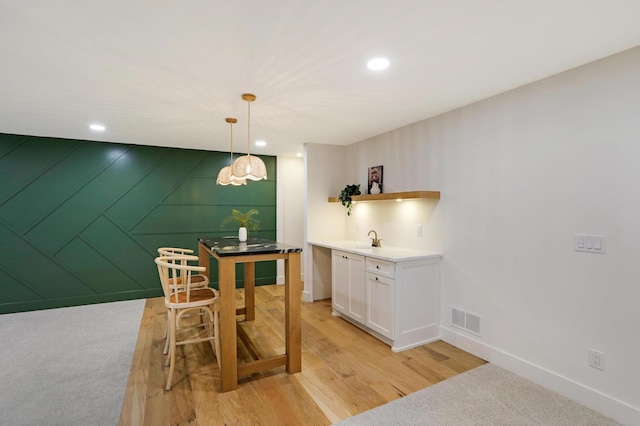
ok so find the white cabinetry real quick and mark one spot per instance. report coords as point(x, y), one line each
point(379, 293)
point(416, 303)
point(348, 284)
point(394, 300)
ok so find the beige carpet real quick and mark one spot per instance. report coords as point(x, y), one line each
point(67, 366)
point(487, 395)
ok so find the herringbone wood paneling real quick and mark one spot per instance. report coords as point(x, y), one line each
point(80, 221)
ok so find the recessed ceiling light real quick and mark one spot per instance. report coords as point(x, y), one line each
point(378, 64)
point(261, 143)
point(97, 127)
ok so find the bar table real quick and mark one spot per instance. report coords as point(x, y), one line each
point(228, 251)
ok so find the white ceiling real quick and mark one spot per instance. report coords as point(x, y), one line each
point(168, 72)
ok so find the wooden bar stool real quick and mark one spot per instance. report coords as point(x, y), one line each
point(183, 300)
point(197, 280)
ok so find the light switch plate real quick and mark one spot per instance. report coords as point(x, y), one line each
point(590, 243)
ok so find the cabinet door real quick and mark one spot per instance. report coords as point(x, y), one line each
point(380, 304)
point(339, 281)
point(357, 288)
point(348, 284)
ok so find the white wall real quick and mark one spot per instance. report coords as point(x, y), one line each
point(290, 206)
point(520, 174)
point(523, 173)
point(324, 177)
point(408, 164)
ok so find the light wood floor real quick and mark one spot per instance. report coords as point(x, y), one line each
point(345, 371)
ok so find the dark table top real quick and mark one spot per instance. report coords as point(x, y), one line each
point(230, 246)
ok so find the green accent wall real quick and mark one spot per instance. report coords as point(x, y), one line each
point(81, 221)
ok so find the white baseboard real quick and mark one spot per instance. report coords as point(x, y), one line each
point(592, 398)
point(280, 278)
point(414, 345)
point(307, 296)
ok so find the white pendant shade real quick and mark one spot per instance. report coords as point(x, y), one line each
point(249, 166)
point(225, 175)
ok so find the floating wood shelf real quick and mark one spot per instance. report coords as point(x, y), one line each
point(407, 195)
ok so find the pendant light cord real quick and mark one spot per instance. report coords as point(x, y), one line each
point(231, 153)
point(248, 128)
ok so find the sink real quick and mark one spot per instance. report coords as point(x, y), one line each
point(367, 248)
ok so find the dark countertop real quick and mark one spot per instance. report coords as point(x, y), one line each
point(230, 246)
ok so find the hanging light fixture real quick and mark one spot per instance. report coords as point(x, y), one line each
point(249, 166)
point(225, 175)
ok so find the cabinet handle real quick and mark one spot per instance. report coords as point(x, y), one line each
point(376, 278)
point(377, 266)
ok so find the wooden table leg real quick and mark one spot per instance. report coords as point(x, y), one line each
point(249, 290)
point(293, 334)
point(203, 260)
point(228, 338)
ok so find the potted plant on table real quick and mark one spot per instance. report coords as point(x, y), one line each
point(345, 196)
point(245, 220)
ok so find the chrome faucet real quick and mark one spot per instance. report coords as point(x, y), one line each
point(375, 242)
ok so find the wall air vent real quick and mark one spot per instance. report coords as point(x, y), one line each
point(457, 317)
point(465, 320)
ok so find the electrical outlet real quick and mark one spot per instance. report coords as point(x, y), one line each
point(596, 359)
point(419, 231)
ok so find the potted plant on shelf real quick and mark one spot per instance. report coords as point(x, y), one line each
point(345, 196)
point(245, 221)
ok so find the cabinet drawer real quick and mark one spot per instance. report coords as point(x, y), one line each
point(381, 267)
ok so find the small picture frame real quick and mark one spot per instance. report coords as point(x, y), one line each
point(375, 180)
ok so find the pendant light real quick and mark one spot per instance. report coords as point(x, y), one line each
point(225, 176)
point(249, 166)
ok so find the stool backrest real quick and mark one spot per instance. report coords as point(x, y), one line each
point(173, 251)
point(175, 275)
